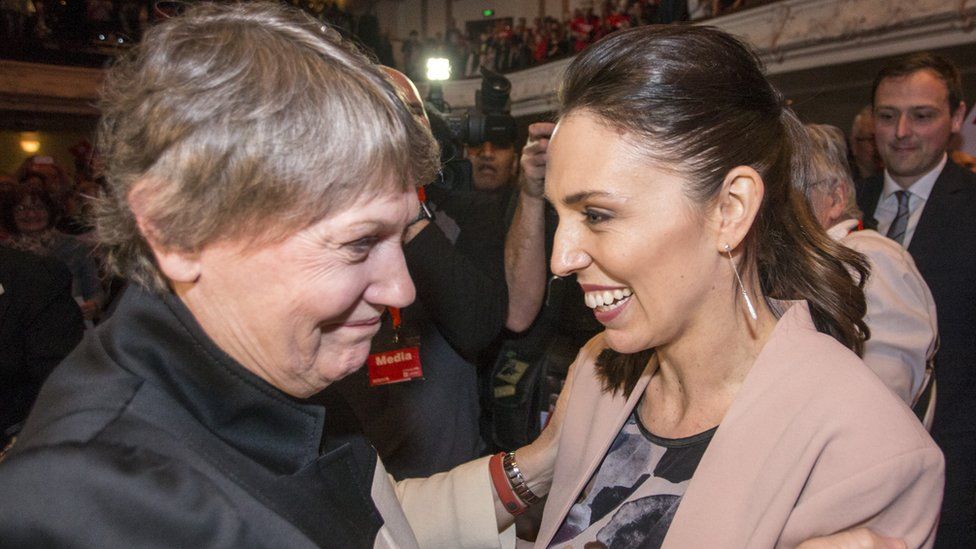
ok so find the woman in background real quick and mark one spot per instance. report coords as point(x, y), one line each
point(32, 214)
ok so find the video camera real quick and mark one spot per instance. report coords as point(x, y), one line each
point(491, 119)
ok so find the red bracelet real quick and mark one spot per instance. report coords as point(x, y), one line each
point(503, 487)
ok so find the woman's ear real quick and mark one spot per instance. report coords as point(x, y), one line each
point(737, 206)
point(836, 204)
point(178, 266)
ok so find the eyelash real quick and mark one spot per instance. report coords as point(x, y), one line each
point(363, 245)
point(592, 217)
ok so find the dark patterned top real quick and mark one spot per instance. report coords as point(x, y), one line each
point(634, 494)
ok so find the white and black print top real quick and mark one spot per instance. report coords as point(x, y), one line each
point(634, 494)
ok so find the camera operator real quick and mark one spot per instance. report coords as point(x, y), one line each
point(427, 420)
point(546, 323)
point(494, 164)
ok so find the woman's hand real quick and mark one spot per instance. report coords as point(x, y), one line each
point(858, 538)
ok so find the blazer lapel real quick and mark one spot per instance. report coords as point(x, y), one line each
point(929, 234)
point(595, 424)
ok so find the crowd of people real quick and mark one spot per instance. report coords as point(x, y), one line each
point(92, 31)
point(675, 317)
point(511, 46)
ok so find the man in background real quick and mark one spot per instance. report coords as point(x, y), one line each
point(866, 160)
point(927, 203)
point(493, 165)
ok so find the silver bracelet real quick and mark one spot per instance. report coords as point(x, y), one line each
point(517, 481)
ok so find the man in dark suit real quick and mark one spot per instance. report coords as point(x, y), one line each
point(928, 204)
point(40, 323)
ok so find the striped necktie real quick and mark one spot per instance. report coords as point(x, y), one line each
point(898, 227)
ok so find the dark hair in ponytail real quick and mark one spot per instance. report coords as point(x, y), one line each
point(695, 99)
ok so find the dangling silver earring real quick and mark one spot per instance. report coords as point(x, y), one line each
point(745, 294)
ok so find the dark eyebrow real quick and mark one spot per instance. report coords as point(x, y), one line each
point(585, 195)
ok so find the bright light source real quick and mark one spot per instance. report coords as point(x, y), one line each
point(438, 68)
point(29, 142)
point(488, 12)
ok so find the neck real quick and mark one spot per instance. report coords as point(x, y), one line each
point(700, 372)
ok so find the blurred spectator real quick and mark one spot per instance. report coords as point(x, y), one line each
point(41, 325)
point(864, 151)
point(699, 9)
point(32, 217)
point(16, 20)
point(966, 161)
point(900, 309)
point(724, 7)
point(41, 171)
point(410, 50)
point(673, 11)
point(8, 194)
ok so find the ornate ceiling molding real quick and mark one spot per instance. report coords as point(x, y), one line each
point(789, 35)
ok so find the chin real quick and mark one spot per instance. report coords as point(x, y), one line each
point(625, 343)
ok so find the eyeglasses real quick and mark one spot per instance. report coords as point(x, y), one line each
point(30, 208)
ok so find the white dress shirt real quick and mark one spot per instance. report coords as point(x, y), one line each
point(918, 195)
point(900, 311)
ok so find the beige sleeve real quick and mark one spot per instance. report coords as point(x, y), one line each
point(899, 497)
point(453, 509)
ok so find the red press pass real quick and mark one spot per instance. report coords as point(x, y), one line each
point(394, 366)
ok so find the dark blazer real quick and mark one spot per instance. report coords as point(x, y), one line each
point(40, 323)
point(148, 435)
point(944, 250)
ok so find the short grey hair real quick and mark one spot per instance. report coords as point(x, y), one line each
point(829, 165)
point(245, 121)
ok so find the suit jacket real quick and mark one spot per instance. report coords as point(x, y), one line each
point(149, 435)
point(814, 443)
point(943, 249)
point(40, 323)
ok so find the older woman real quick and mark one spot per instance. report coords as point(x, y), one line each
point(900, 310)
point(261, 177)
point(724, 405)
point(32, 215)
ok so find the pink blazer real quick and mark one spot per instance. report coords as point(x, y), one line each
point(813, 444)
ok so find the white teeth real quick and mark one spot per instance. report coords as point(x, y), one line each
point(606, 298)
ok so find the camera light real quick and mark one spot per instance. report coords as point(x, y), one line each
point(30, 142)
point(487, 12)
point(438, 68)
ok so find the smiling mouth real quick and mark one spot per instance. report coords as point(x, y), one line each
point(364, 323)
point(607, 300)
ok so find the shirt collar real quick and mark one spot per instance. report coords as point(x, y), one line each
point(921, 188)
point(162, 342)
point(842, 229)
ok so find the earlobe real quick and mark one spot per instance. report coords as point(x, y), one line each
point(178, 266)
point(741, 196)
